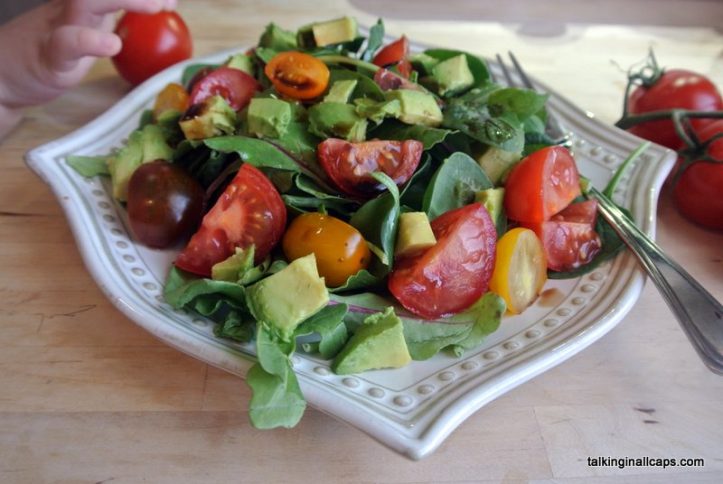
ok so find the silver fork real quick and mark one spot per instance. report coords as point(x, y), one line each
point(698, 312)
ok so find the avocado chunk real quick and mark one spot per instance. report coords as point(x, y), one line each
point(377, 343)
point(278, 39)
point(423, 63)
point(452, 75)
point(416, 107)
point(492, 199)
point(269, 117)
point(341, 91)
point(496, 163)
point(233, 268)
point(241, 62)
point(320, 34)
point(144, 145)
point(415, 234)
point(213, 117)
point(285, 299)
point(337, 120)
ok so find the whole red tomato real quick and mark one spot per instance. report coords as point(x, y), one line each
point(698, 193)
point(674, 89)
point(150, 44)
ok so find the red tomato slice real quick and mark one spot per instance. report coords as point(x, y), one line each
point(392, 53)
point(405, 68)
point(388, 80)
point(541, 185)
point(569, 237)
point(349, 164)
point(453, 274)
point(234, 85)
point(249, 211)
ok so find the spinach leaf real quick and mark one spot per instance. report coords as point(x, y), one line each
point(329, 324)
point(192, 70)
point(523, 102)
point(265, 54)
point(375, 40)
point(365, 86)
point(361, 280)
point(396, 130)
point(487, 314)
point(454, 185)
point(426, 339)
point(412, 195)
point(378, 218)
point(477, 66)
point(89, 166)
point(255, 151)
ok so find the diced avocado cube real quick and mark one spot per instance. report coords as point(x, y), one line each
point(417, 107)
point(492, 199)
point(241, 62)
point(285, 299)
point(423, 63)
point(278, 39)
point(144, 145)
point(329, 32)
point(234, 266)
point(337, 120)
point(213, 117)
point(341, 91)
point(377, 343)
point(414, 235)
point(269, 117)
point(496, 163)
point(452, 75)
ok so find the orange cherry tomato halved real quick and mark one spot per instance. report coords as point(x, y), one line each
point(297, 75)
point(340, 249)
point(173, 97)
point(541, 185)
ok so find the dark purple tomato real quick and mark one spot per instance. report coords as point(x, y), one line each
point(164, 204)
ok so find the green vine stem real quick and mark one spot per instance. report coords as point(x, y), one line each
point(340, 59)
point(630, 121)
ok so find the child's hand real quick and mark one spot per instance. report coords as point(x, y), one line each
point(50, 48)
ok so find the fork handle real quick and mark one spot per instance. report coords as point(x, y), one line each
point(698, 312)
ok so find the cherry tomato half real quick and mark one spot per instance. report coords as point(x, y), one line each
point(340, 249)
point(569, 237)
point(349, 164)
point(697, 193)
point(164, 203)
point(297, 75)
point(541, 185)
point(151, 42)
point(234, 85)
point(676, 88)
point(249, 212)
point(172, 97)
point(392, 53)
point(454, 273)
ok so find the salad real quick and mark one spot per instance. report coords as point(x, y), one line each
point(383, 204)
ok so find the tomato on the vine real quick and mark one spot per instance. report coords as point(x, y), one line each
point(541, 185)
point(349, 165)
point(674, 89)
point(151, 42)
point(249, 212)
point(340, 249)
point(454, 273)
point(698, 189)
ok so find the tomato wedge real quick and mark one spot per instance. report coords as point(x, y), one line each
point(235, 86)
point(450, 276)
point(392, 53)
point(348, 165)
point(569, 237)
point(249, 212)
point(541, 185)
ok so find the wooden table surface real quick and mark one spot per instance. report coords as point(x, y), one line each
point(87, 396)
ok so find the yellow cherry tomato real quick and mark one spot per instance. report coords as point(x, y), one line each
point(172, 97)
point(340, 249)
point(297, 75)
point(520, 269)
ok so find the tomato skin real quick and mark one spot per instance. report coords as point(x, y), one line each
point(392, 53)
point(151, 42)
point(235, 86)
point(164, 203)
point(340, 249)
point(697, 192)
point(453, 274)
point(349, 165)
point(172, 97)
point(541, 185)
point(249, 212)
point(676, 88)
point(569, 237)
point(297, 75)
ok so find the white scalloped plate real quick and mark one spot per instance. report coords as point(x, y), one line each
point(413, 409)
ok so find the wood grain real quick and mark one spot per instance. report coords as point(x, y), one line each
point(87, 396)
